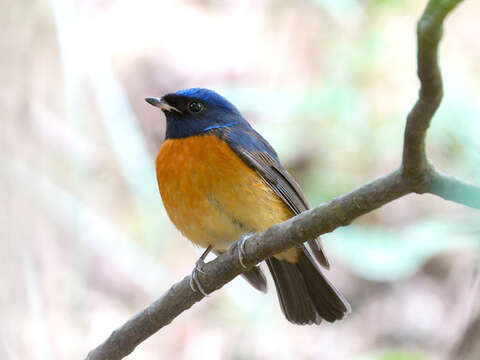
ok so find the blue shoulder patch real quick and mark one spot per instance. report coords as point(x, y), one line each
point(244, 138)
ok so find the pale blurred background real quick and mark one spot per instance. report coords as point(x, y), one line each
point(85, 241)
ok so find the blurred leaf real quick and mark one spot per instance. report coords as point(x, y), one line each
point(385, 255)
point(388, 5)
point(395, 355)
point(337, 9)
point(453, 132)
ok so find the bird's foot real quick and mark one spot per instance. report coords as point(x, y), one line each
point(195, 284)
point(241, 249)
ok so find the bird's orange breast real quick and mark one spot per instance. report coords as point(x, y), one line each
point(211, 195)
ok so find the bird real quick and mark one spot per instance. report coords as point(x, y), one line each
point(221, 181)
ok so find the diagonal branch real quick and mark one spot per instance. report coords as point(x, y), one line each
point(415, 175)
point(308, 225)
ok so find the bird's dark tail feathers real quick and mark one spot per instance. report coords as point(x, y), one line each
point(305, 295)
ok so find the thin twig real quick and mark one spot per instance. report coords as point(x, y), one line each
point(429, 32)
point(451, 188)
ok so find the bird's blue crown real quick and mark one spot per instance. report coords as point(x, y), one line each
point(210, 97)
point(216, 113)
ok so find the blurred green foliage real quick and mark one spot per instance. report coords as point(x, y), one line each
point(395, 355)
point(378, 253)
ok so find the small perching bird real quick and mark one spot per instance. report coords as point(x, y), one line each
point(221, 181)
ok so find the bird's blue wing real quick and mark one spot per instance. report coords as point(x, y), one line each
point(259, 155)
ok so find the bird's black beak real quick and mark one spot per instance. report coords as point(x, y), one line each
point(161, 104)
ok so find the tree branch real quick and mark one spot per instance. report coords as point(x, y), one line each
point(414, 175)
point(429, 32)
point(308, 225)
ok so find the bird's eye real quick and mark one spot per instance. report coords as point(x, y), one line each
point(195, 107)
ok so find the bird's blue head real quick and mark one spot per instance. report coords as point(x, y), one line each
point(196, 111)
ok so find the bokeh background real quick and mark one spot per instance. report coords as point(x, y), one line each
point(85, 242)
